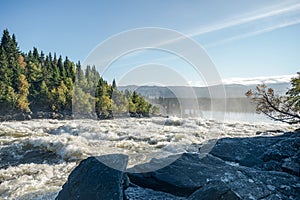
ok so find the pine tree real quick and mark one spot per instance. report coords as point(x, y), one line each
point(103, 105)
point(11, 49)
point(5, 40)
point(37, 82)
point(61, 69)
point(114, 85)
point(5, 71)
point(43, 97)
point(35, 55)
point(70, 69)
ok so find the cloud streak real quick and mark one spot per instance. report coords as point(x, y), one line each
point(283, 16)
point(248, 19)
point(253, 33)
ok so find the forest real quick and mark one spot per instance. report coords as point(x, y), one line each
point(36, 82)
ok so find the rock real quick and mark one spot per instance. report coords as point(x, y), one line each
point(181, 178)
point(243, 150)
point(266, 153)
point(274, 131)
point(19, 116)
point(235, 167)
point(65, 129)
point(28, 117)
point(292, 165)
point(92, 179)
point(259, 132)
point(138, 193)
point(214, 190)
point(272, 166)
point(15, 155)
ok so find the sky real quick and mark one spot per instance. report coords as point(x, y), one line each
point(244, 39)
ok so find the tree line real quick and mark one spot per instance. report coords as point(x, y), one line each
point(35, 82)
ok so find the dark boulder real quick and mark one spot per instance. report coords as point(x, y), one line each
point(235, 168)
point(92, 179)
point(279, 153)
point(182, 177)
point(138, 193)
point(214, 190)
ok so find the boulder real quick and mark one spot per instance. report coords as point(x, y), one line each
point(93, 179)
point(236, 168)
point(214, 190)
point(279, 153)
point(182, 177)
point(138, 193)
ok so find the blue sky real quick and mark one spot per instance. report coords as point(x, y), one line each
point(243, 38)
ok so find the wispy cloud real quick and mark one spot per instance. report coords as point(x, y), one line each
point(281, 15)
point(239, 27)
point(253, 33)
point(246, 19)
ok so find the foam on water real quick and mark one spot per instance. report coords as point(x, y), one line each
point(32, 181)
point(73, 140)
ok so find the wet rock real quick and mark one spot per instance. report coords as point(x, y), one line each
point(92, 179)
point(66, 129)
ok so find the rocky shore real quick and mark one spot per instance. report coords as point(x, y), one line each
point(35, 115)
point(67, 116)
point(263, 167)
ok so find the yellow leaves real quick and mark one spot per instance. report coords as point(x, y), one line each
point(59, 97)
point(132, 107)
point(24, 85)
point(249, 93)
point(22, 100)
point(103, 104)
point(21, 62)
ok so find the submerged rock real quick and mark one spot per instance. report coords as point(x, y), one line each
point(14, 155)
point(92, 179)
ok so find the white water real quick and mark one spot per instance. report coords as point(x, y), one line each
point(74, 140)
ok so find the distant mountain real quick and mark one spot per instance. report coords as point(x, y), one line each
point(259, 80)
point(231, 90)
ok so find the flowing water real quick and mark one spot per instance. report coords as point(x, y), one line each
point(37, 156)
